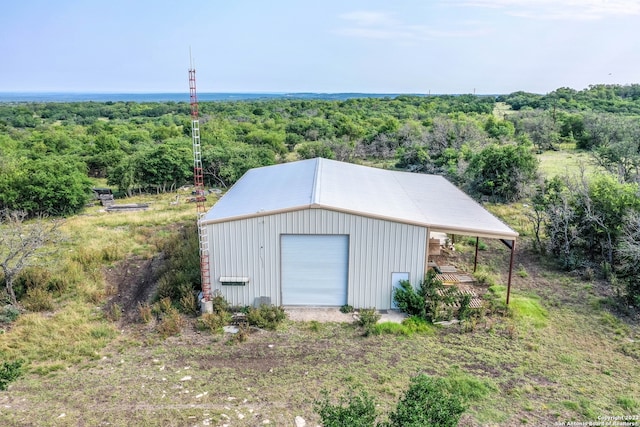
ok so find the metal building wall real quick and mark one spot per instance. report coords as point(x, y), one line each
point(251, 248)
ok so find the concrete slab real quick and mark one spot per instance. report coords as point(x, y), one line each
point(333, 314)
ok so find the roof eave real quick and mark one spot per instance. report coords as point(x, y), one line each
point(468, 231)
point(255, 214)
point(433, 227)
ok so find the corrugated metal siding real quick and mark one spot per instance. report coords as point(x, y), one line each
point(251, 247)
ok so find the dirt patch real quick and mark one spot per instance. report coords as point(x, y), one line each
point(130, 282)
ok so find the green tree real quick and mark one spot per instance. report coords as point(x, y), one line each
point(225, 163)
point(273, 139)
point(503, 171)
point(54, 185)
point(104, 153)
point(499, 129)
point(163, 133)
point(585, 219)
point(163, 167)
point(572, 128)
point(539, 127)
point(602, 204)
point(620, 158)
point(125, 175)
point(313, 149)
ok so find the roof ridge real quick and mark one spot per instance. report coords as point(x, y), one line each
point(315, 191)
point(396, 177)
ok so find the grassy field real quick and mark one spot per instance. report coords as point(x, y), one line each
point(566, 161)
point(559, 356)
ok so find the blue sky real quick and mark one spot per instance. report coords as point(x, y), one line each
point(399, 46)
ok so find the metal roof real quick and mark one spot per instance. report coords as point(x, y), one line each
point(419, 199)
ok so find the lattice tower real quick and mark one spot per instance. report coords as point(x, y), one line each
point(198, 183)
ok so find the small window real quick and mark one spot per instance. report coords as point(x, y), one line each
point(233, 281)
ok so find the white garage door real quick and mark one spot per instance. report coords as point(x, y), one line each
point(314, 269)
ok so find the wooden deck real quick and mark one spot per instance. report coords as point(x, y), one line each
point(464, 282)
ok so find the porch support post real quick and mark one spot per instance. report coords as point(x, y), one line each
point(475, 259)
point(513, 249)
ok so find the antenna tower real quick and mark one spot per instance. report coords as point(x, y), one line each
point(198, 183)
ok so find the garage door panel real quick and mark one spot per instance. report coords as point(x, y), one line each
point(314, 269)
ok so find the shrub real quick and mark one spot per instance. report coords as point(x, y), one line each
point(432, 301)
point(219, 303)
point(144, 311)
point(54, 185)
point(31, 278)
point(213, 322)
point(471, 241)
point(367, 319)
point(164, 305)
point(427, 403)
point(171, 323)
point(179, 278)
point(485, 277)
point(9, 371)
point(408, 300)
point(241, 336)
point(8, 314)
point(353, 410)
point(346, 309)
point(496, 297)
point(188, 300)
point(464, 312)
point(266, 316)
point(38, 299)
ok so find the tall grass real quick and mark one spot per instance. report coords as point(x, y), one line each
point(74, 333)
point(72, 288)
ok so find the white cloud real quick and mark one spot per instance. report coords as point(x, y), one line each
point(384, 26)
point(560, 9)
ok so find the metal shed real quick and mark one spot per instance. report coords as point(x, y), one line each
point(326, 233)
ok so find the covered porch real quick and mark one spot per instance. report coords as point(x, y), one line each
point(439, 260)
